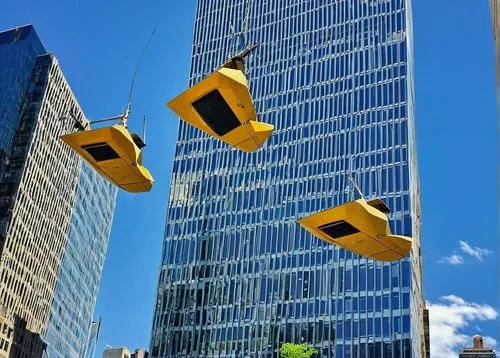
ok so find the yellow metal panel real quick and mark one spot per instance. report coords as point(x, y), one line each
point(254, 134)
point(232, 85)
point(122, 165)
point(366, 231)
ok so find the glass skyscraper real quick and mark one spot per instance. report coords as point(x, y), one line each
point(55, 212)
point(20, 46)
point(69, 327)
point(239, 277)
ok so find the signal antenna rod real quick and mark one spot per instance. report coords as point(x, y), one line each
point(356, 186)
point(244, 27)
point(124, 117)
point(144, 128)
point(247, 18)
point(246, 51)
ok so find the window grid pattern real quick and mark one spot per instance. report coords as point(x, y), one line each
point(42, 276)
point(20, 46)
point(42, 176)
point(239, 276)
point(77, 286)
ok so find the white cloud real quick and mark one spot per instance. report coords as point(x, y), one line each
point(447, 319)
point(477, 252)
point(489, 342)
point(452, 260)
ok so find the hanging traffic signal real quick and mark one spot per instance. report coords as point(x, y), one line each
point(115, 154)
point(359, 226)
point(221, 105)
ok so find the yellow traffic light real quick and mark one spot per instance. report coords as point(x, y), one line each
point(359, 226)
point(115, 154)
point(221, 105)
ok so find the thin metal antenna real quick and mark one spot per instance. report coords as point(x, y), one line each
point(244, 27)
point(77, 124)
point(144, 128)
point(379, 183)
point(355, 186)
point(245, 22)
point(237, 62)
point(124, 116)
point(246, 51)
point(108, 119)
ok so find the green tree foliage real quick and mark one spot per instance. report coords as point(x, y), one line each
point(291, 350)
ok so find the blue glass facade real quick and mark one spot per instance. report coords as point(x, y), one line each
point(18, 46)
point(77, 286)
point(239, 277)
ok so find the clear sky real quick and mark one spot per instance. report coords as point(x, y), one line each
point(98, 43)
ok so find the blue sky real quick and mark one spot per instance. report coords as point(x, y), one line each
point(97, 44)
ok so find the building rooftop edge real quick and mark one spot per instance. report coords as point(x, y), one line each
point(18, 27)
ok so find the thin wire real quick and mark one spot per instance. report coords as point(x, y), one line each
point(245, 22)
point(137, 68)
point(355, 186)
point(144, 128)
point(244, 28)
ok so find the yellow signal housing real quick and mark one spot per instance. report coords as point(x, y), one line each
point(115, 154)
point(359, 226)
point(221, 105)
